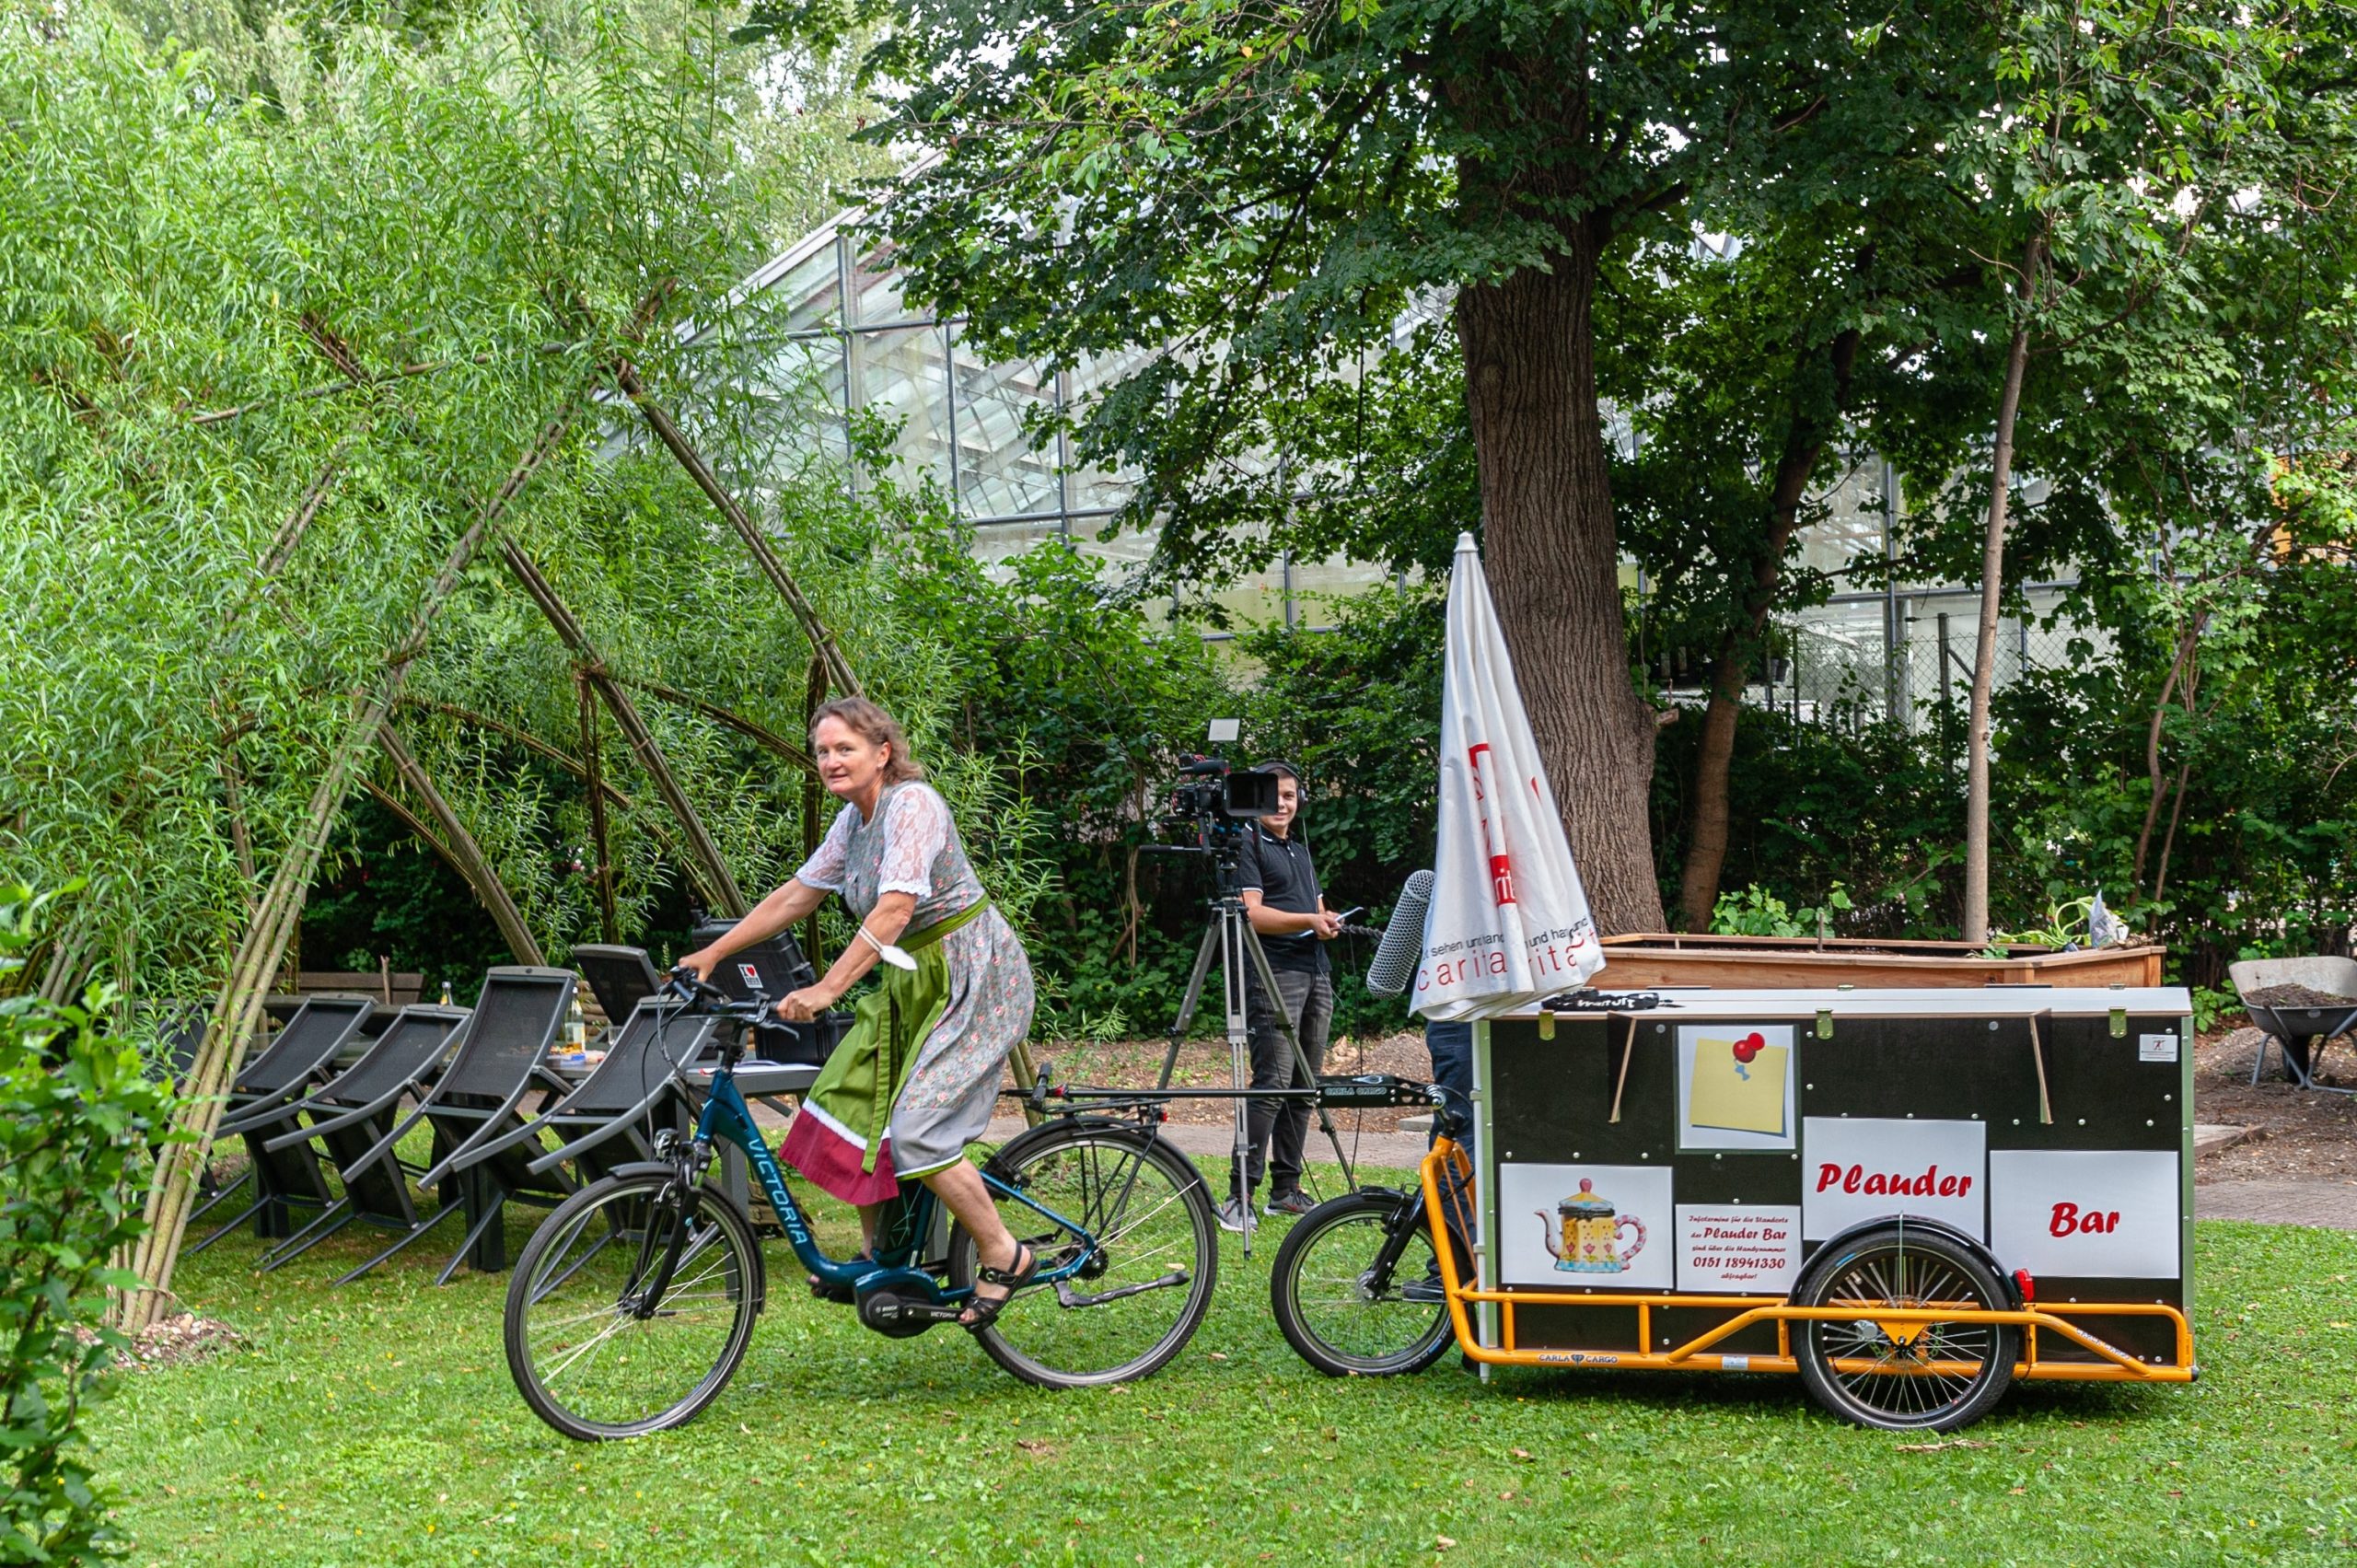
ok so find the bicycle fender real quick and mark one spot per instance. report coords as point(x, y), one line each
point(1059, 1128)
point(1966, 1239)
point(639, 1168)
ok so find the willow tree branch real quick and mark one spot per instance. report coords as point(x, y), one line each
point(759, 733)
point(838, 666)
point(609, 926)
point(461, 849)
point(705, 859)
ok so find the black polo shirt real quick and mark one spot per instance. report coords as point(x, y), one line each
point(1284, 874)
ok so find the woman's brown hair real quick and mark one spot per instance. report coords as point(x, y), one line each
point(877, 727)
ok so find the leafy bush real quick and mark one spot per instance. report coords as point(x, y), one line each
point(1755, 912)
point(80, 1120)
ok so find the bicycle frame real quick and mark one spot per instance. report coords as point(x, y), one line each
point(727, 1118)
point(2111, 1365)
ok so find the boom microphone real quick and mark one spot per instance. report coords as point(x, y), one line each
point(1402, 946)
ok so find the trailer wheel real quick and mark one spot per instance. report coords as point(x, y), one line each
point(1903, 1376)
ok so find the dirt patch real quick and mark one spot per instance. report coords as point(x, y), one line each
point(177, 1341)
point(2301, 1136)
point(2298, 996)
point(1135, 1063)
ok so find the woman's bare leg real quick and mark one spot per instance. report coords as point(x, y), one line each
point(960, 1186)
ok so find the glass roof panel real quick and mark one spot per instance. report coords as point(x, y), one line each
point(1000, 472)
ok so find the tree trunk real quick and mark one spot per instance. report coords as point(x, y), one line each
point(1706, 850)
point(2156, 777)
point(1992, 573)
point(1554, 569)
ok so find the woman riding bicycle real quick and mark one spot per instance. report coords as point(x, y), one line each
point(915, 1080)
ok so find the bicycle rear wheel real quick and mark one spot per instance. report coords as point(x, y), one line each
point(1903, 1375)
point(1334, 1309)
point(1147, 1248)
point(591, 1357)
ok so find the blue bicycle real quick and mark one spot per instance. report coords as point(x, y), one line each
point(633, 1302)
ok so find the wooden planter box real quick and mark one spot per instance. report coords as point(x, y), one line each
point(1640, 962)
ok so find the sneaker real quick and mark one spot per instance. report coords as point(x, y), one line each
point(1426, 1292)
point(1293, 1202)
point(1237, 1214)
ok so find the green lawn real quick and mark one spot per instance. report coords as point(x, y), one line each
point(376, 1426)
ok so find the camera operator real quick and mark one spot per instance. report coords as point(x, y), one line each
point(1287, 908)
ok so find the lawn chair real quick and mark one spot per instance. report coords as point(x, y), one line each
point(611, 1116)
point(2291, 1029)
point(258, 1107)
point(352, 1113)
point(179, 1034)
point(501, 1055)
point(620, 978)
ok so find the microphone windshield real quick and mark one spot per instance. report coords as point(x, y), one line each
point(1402, 946)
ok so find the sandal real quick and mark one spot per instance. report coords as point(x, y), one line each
point(986, 1308)
point(829, 1290)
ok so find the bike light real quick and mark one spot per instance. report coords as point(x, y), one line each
point(2027, 1286)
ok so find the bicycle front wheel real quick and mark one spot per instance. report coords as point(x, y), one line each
point(1346, 1312)
point(1135, 1216)
point(591, 1353)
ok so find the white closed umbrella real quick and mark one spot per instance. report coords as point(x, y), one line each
point(1509, 924)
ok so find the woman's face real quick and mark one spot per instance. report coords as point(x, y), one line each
point(850, 764)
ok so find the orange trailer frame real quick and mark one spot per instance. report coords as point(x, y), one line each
point(2113, 1366)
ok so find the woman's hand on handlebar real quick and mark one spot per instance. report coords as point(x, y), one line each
point(801, 1006)
point(700, 964)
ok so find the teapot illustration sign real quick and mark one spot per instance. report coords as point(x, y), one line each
point(1585, 1227)
point(1590, 1230)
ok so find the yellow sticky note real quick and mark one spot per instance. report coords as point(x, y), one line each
point(1742, 1097)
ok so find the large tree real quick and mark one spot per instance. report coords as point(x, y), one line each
point(1241, 201)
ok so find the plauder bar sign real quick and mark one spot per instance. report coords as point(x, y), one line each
point(1858, 1168)
point(2100, 1214)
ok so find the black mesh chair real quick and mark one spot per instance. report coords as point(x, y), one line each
point(350, 1114)
point(611, 1116)
point(620, 978)
point(501, 1055)
point(179, 1034)
point(258, 1107)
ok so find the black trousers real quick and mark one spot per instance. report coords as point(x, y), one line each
point(1277, 1128)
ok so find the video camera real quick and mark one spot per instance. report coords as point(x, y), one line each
point(1214, 802)
point(1208, 787)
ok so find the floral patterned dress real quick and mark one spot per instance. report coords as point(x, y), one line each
point(940, 1086)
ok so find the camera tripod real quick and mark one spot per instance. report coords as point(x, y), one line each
point(1229, 933)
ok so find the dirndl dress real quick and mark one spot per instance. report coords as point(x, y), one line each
point(916, 1078)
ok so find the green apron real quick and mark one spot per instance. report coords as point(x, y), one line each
point(861, 1080)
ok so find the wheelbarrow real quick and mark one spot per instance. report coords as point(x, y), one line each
point(2294, 1028)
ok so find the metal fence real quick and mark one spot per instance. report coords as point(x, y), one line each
point(1907, 656)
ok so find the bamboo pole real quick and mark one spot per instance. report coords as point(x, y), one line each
point(813, 694)
point(838, 667)
point(705, 860)
point(463, 851)
point(237, 1012)
point(609, 926)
